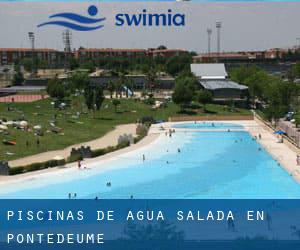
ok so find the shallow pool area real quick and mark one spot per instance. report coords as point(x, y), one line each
point(188, 164)
point(207, 125)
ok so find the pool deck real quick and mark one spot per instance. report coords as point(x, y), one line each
point(284, 153)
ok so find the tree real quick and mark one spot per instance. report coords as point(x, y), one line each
point(89, 65)
point(94, 97)
point(120, 83)
point(79, 80)
point(111, 88)
point(18, 77)
point(74, 64)
point(116, 103)
point(151, 79)
point(55, 89)
point(204, 97)
point(28, 64)
point(184, 91)
point(161, 47)
point(296, 70)
point(177, 64)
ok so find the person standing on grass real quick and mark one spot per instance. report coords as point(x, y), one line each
point(38, 142)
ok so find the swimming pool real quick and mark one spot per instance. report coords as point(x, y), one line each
point(209, 165)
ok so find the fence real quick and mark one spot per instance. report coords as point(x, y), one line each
point(291, 130)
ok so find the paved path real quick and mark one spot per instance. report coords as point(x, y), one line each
point(22, 98)
point(109, 139)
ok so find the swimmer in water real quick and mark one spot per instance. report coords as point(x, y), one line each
point(178, 150)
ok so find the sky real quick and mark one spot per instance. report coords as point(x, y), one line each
point(245, 26)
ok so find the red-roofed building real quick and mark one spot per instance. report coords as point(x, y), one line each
point(166, 52)
point(11, 55)
point(90, 53)
point(228, 56)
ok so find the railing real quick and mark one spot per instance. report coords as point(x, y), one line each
point(289, 141)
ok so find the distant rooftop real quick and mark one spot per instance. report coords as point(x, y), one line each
point(27, 50)
point(209, 70)
point(221, 84)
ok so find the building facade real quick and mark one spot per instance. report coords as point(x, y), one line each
point(12, 55)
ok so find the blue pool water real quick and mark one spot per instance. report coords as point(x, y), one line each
point(208, 125)
point(203, 1)
point(209, 165)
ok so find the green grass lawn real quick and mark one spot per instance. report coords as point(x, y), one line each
point(83, 129)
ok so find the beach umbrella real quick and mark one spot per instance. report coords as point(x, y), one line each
point(23, 124)
point(37, 127)
point(279, 132)
point(3, 127)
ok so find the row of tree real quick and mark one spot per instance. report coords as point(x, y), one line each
point(78, 83)
point(274, 95)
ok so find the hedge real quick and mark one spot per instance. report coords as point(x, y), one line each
point(36, 166)
point(103, 151)
point(73, 158)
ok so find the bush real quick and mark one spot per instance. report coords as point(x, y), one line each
point(141, 129)
point(103, 151)
point(149, 101)
point(16, 170)
point(138, 138)
point(147, 119)
point(74, 157)
point(98, 152)
point(36, 166)
point(95, 153)
point(123, 144)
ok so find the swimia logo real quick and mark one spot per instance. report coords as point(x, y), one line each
point(150, 19)
point(88, 23)
point(77, 22)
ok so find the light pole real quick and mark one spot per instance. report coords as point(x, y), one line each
point(209, 31)
point(67, 40)
point(32, 40)
point(218, 26)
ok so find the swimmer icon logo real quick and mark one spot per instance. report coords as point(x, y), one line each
point(75, 21)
